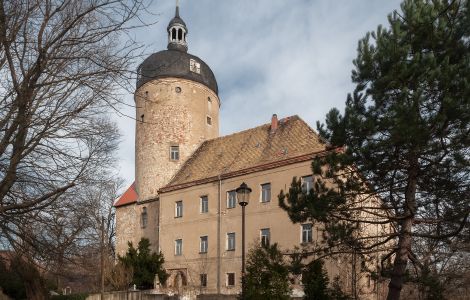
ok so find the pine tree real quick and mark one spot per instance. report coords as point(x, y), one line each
point(401, 148)
point(145, 264)
point(267, 274)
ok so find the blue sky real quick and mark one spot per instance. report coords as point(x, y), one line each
point(289, 57)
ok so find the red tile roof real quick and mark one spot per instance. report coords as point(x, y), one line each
point(130, 196)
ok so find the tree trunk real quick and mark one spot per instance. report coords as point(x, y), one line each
point(404, 240)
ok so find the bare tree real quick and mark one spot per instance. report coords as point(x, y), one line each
point(63, 65)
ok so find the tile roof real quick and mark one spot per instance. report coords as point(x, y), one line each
point(247, 149)
point(130, 196)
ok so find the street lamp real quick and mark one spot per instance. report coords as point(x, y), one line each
point(243, 197)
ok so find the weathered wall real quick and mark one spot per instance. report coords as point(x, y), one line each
point(127, 227)
point(130, 295)
point(174, 113)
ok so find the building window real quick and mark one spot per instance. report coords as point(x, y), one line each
point(204, 204)
point(178, 247)
point(194, 66)
point(307, 184)
point(178, 89)
point(209, 103)
point(143, 218)
point(203, 279)
point(209, 120)
point(230, 279)
point(231, 241)
point(204, 243)
point(265, 236)
point(179, 209)
point(231, 199)
point(174, 152)
point(266, 192)
point(307, 233)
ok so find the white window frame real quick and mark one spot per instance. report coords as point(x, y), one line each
point(174, 152)
point(194, 66)
point(229, 201)
point(265, 239)
point(306, 228)
point(178, 247)
point(265, 196)
point(231, 241)
point(204, 200)
point(179, 209)
point(203, 244)
point(307, 185)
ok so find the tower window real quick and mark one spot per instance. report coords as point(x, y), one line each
point(173, 34)
point(180, 34)
point(143, 218)
point(174, 152)
point(178, 89)
point(209, 120)
point(142, 118)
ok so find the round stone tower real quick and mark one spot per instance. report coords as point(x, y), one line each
point(177, 108)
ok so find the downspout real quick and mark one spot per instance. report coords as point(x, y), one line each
point(219, 206)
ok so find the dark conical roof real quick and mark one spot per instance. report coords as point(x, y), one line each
point(174, 63)
point(177, 19)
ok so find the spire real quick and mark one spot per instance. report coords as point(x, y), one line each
point(177, 31)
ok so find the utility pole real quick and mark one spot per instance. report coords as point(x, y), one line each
point(102, 258)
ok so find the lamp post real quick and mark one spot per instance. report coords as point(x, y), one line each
point(243, 197)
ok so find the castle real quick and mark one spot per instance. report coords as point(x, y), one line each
point(183, 198)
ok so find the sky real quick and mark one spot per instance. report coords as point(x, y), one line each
point(284, 57)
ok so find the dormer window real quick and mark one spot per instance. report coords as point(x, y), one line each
point(194, 66)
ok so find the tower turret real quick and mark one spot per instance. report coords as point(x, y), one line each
point(177, 109)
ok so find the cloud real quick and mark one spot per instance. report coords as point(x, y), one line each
point(269, 56)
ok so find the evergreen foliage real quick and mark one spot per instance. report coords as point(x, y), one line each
point(400, 152)
point(267, 275)
point(145, 264)
point(315, 281)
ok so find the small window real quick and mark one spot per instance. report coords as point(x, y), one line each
point(307, 184)
point(179, 209)
point(307, 233)
point(203, 279)
point(209, 103)
point(178, 89)
point(209, 120)
point(230, 279)
point(174, 152)
point(194, 66)
point(231, 241)
point(203, 244)
point(266, 192)
point(178, 247)
point(265, 236)
point(180, 34)
point(204, 204)
point(142, 118)
point(143, 218)
point(231, 199)
point(173, 34)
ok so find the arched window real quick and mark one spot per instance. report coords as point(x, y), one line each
point(180, 34)
point(173, 34)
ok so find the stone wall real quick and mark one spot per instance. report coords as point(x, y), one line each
point(127, 228)
point(170, 112)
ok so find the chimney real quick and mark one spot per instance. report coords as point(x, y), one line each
point(274, 123)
